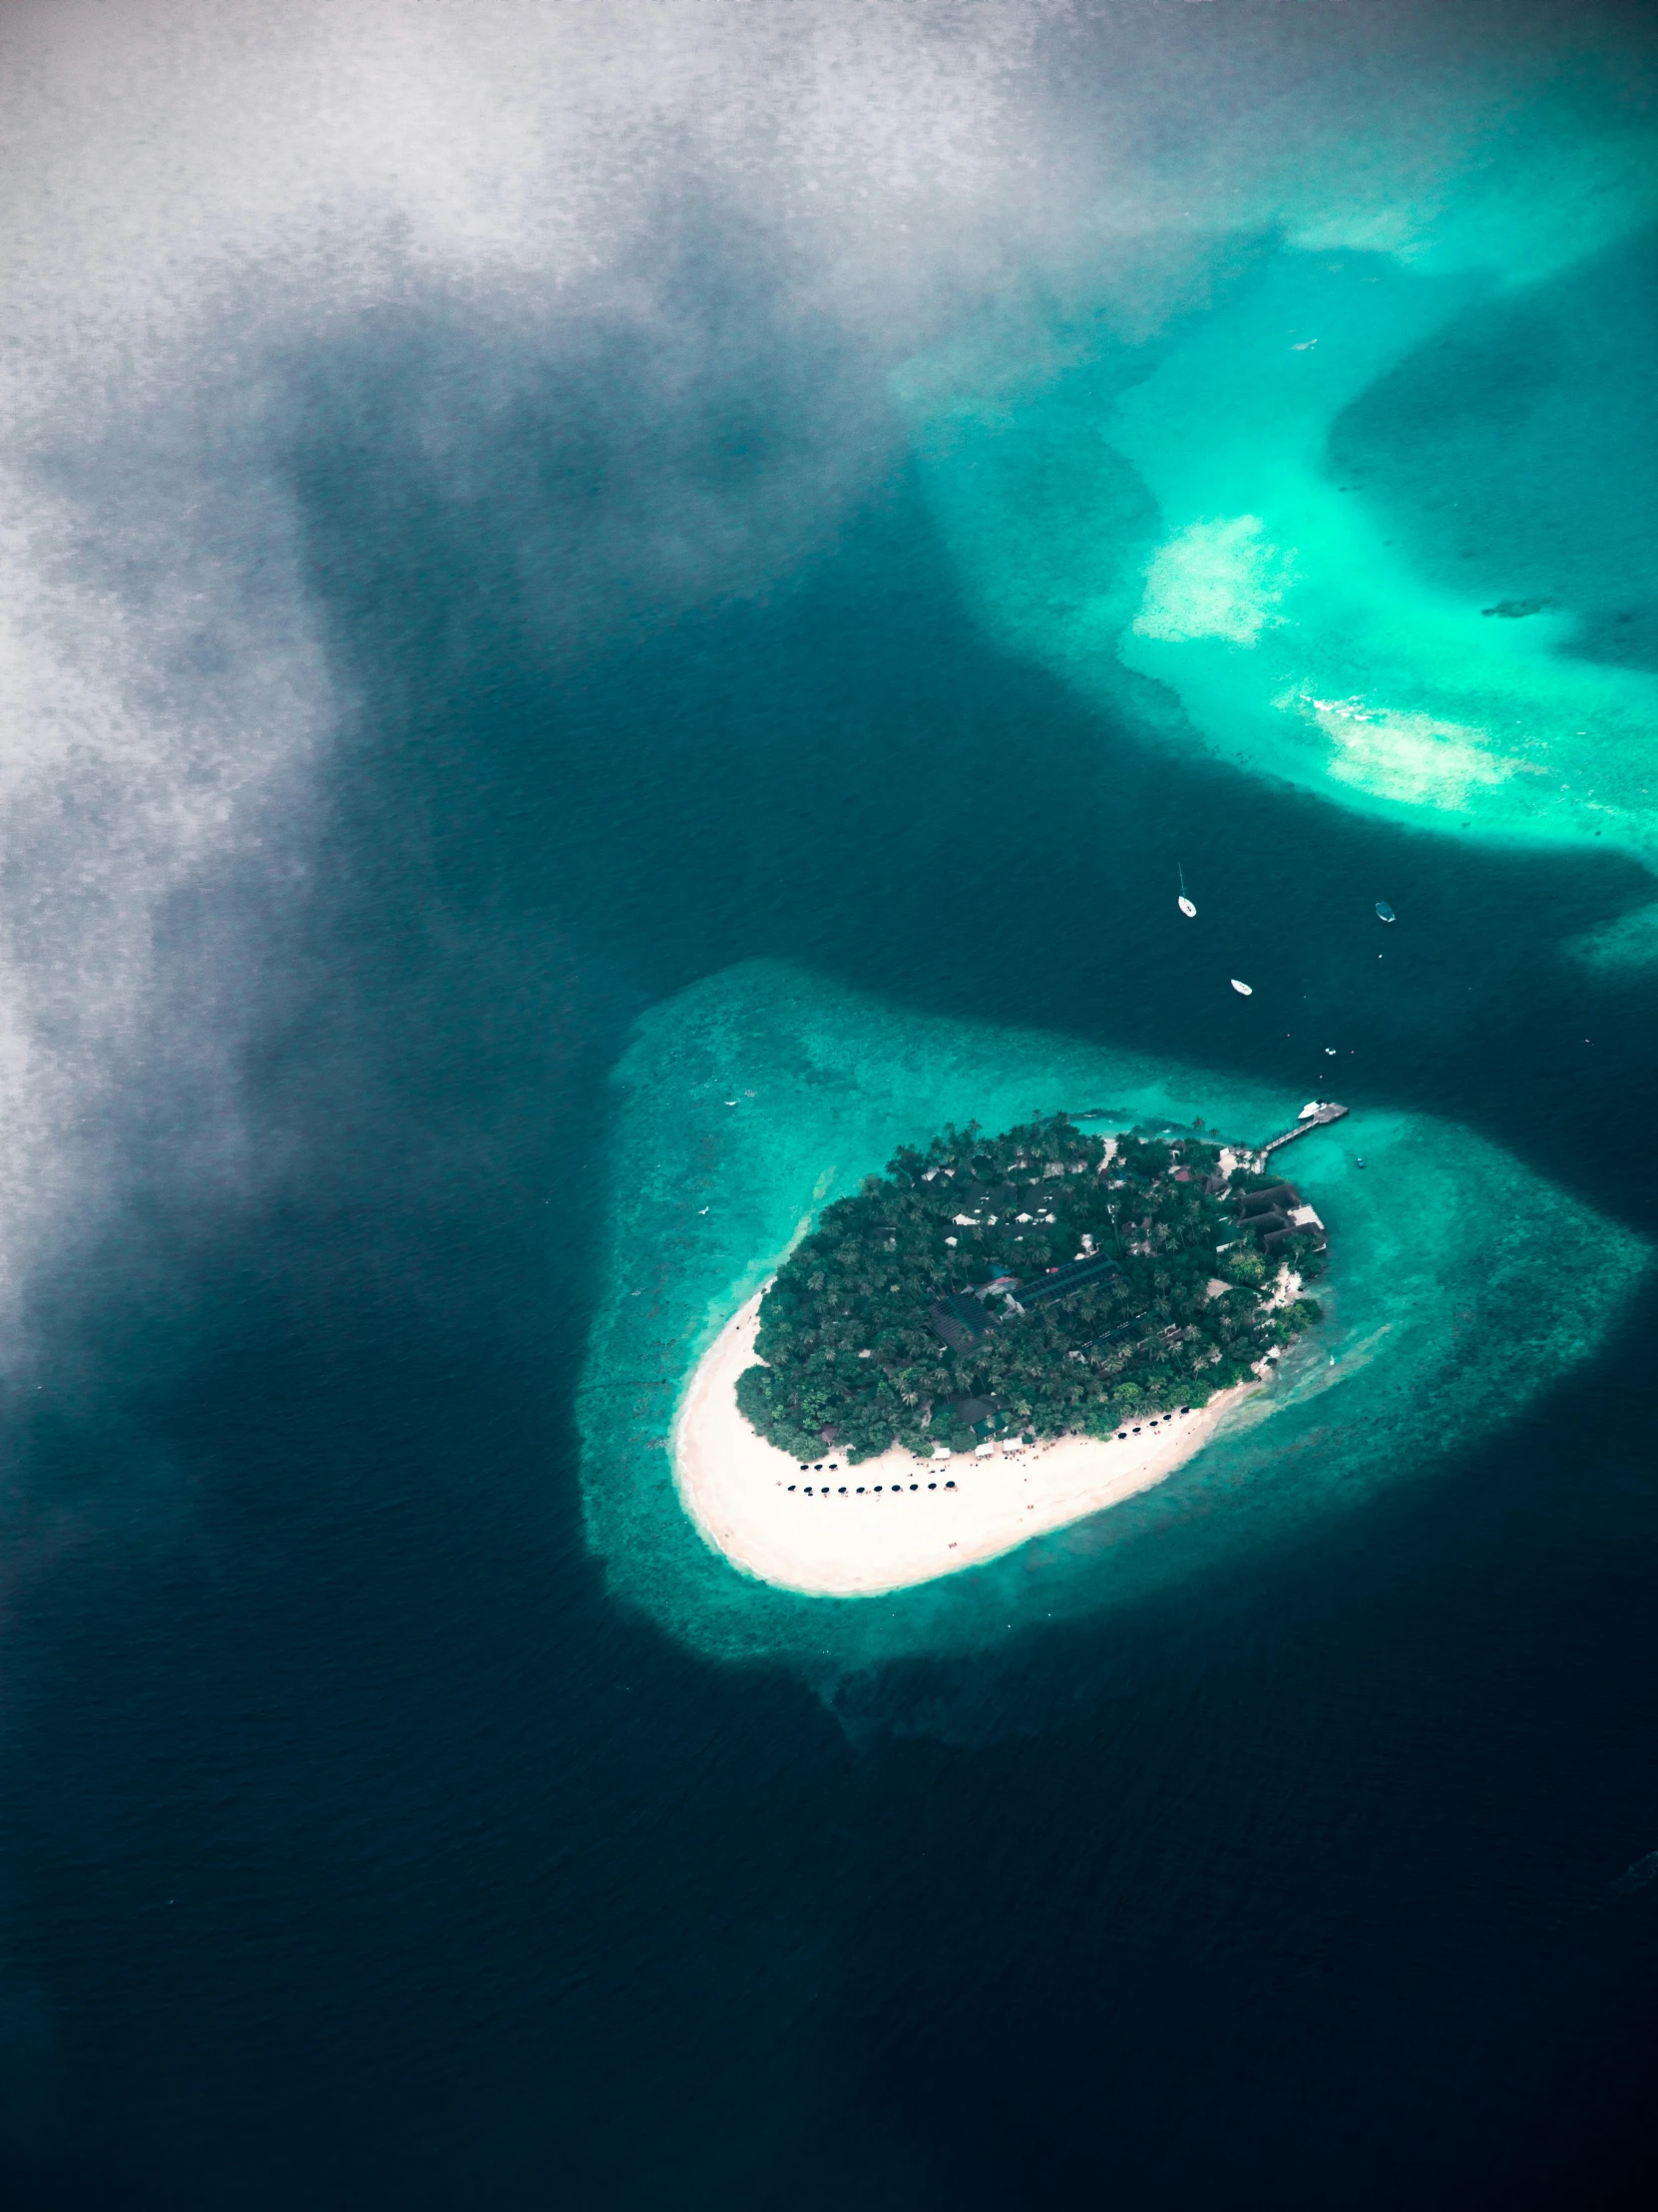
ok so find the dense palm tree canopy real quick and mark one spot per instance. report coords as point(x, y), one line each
point(1185, 1303)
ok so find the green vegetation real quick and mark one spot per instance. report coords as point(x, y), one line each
point(850, 1330)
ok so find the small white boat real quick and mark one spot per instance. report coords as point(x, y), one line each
point(1383, 912)
point(1182, 902)
point(1247, 990)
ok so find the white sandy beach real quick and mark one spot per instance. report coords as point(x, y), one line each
point(895, 1520)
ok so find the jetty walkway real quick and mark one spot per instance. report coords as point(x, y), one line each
point(1319, 1116)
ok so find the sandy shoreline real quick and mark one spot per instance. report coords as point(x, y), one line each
point(904, 1526)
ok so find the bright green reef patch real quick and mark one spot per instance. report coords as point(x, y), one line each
point(1045, 1282)
point(1460, 1285)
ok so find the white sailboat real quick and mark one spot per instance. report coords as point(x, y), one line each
point(1246, 989)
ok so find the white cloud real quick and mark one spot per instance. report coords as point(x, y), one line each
point(198, 196)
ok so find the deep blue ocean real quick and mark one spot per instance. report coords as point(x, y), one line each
point(366, 1852)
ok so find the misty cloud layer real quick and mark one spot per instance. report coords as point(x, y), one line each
point(586, 235)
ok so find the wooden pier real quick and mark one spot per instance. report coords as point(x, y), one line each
point(1320, 1118)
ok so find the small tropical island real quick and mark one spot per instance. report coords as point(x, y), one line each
point(1038, 1284)
point(999, 1336)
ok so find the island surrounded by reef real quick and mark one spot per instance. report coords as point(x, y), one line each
point(1010, 1332)
point(1041, 1283)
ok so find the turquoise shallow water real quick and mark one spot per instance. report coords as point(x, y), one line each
point(1461, 1285)
point(1373, 516)
point(406, 1808)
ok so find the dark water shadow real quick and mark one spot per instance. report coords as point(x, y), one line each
point(466, 1868)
